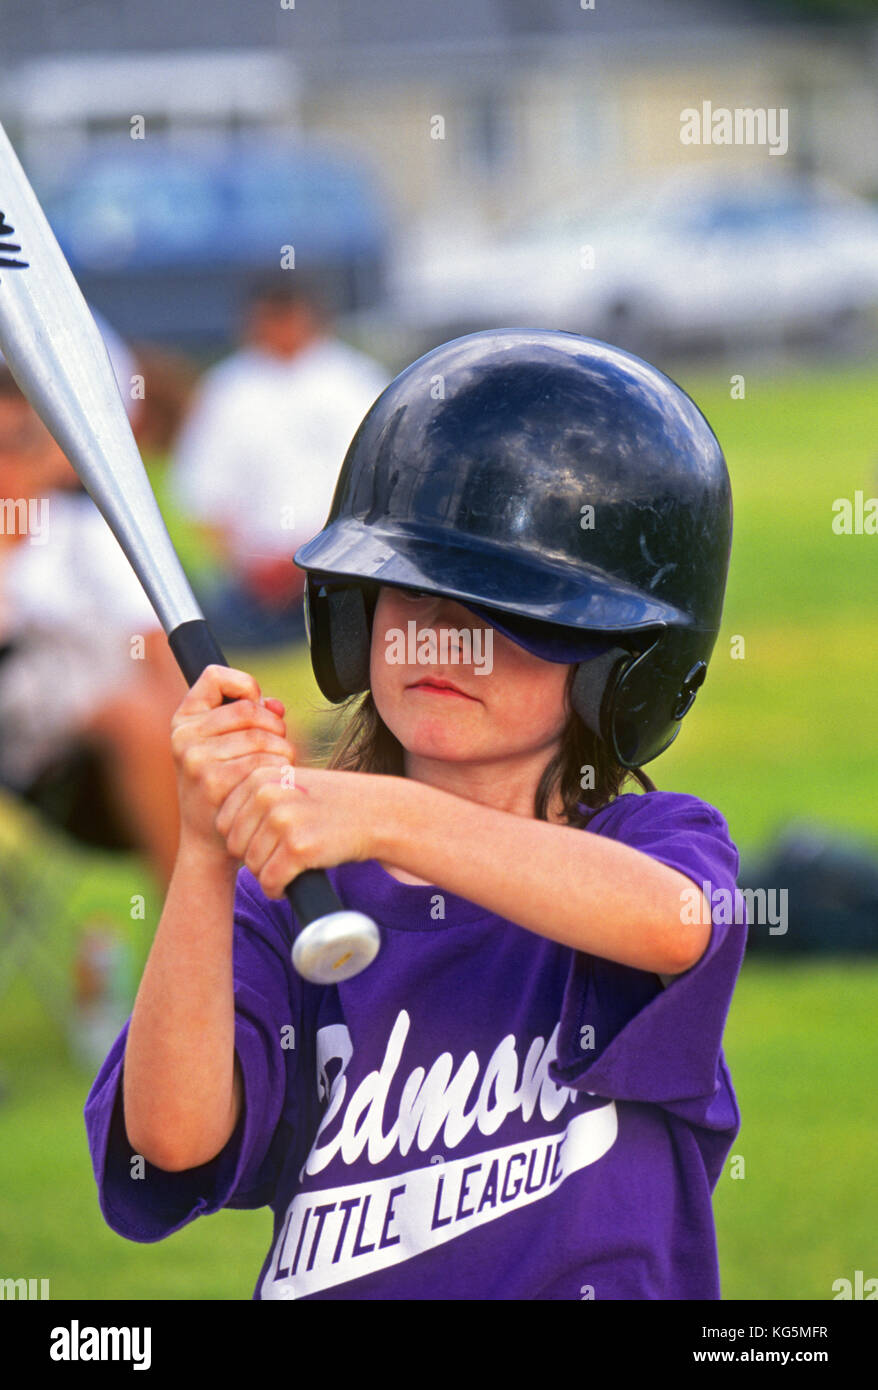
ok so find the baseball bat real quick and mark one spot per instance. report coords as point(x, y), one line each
point(57, 356)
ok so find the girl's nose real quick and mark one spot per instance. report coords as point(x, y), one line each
point(434, 608)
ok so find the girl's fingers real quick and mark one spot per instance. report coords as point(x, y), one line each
point(245, 826)
point(200, 756)
point(241, 714)
point(222, 778)
point(247, 803)
point(262, 845)
point(215, 684)
point(277, 869)
point(253, 808)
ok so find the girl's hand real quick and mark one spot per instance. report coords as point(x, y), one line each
point(279, 821)
point(216, 745)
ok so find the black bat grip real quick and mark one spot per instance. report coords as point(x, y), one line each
point(195, 648)
point(311, 895)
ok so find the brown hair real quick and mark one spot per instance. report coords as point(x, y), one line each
point(278, 291)
point(367, 745)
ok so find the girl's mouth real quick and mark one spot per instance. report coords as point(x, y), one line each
point(436, 686)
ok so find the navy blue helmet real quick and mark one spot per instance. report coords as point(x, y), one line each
point(561, 486)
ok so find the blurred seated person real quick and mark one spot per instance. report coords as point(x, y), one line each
point(258, 458)
point(88, 685)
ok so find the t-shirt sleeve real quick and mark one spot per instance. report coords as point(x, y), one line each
point(623, 1035)
point(146, 1203)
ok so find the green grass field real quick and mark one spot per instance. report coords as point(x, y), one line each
point(787, 732)
point(790, 730)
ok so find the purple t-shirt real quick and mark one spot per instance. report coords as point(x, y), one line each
point(482, 1114)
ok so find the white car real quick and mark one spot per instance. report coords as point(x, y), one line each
point(690, 261)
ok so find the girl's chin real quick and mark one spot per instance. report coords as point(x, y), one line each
point(440, 750)
point(443, 744)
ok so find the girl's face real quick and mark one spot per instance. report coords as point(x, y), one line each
point(512, 707)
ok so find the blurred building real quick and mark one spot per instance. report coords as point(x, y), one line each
point(535, 94)
point(473, 111)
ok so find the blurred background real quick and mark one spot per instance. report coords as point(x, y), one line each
point(273, 211)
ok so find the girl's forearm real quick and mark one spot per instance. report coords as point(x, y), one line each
point(182, 1091)
point(586, 891)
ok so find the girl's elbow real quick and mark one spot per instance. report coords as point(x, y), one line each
point(171, 1158)
point(157, 1152)
point(170, 1149)
point(686, 947)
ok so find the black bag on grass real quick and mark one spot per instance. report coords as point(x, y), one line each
point(831, 887)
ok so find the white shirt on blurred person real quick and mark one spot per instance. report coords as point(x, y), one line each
point(259, 456)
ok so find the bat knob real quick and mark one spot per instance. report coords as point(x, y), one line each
point(336, 947)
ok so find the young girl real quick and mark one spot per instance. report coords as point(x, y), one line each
point(524, 1096)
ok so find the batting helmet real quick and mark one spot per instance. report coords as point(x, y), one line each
point(563, 487)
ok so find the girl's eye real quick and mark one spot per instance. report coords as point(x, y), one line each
point(413, 595)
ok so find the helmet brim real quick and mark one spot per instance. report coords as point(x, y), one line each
point(486, 573)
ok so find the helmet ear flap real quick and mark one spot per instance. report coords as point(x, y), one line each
point(636, 705)
point(594, 686)
point(340, 636)
point(350, 638)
